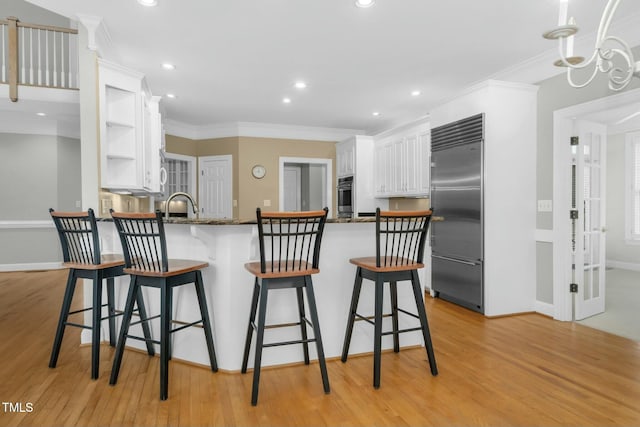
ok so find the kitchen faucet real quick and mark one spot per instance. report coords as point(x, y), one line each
point(173, 196)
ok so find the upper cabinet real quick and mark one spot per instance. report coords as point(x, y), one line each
point(402, 163)
point(345, 158)
point(130, 131)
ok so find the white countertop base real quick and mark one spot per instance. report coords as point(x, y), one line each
point(229, 287)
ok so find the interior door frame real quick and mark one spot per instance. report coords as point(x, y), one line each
point(563, 129)
point(329, 188)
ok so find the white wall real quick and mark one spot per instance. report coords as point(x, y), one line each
point(37, 172)
point(619, 252)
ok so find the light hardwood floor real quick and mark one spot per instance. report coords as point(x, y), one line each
point(523, 370)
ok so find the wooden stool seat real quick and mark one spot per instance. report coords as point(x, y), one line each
point(400, 240)
point(281, 269)
point(289, 256)
point(387, 264)
point(175, 268)
point(145, 253)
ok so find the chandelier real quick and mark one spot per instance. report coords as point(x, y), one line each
point(611, 55)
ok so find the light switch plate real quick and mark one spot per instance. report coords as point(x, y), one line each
point(544, 206)
point(267, 202)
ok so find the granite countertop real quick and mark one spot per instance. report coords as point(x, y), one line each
point(209, 221)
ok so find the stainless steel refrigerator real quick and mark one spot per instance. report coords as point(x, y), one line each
point(457, 200)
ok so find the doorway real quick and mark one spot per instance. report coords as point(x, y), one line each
point(581, 243)
point(305, 184)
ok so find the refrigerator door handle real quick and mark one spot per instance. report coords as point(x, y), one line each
point(446, 258)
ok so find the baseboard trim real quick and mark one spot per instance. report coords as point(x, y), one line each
point(31, 266)
point(544, 308)
point(623, 265)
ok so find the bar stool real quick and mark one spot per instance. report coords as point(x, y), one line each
point(400, 238)
point(145, 254)
point(80, 242)
point(289, 255)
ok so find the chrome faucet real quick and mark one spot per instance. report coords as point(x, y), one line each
point(173, 196)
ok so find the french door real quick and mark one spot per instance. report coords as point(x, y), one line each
point(588, 165)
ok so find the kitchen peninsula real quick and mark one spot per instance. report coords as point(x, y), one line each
point(227, 245)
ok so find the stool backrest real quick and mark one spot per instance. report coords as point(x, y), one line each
point(78, 236)
point(289, 239)
point(400, 237)
point(143, 240)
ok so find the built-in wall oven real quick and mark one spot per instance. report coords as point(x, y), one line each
point(345, 197)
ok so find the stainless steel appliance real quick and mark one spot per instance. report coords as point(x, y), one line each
point(345, 197)
point(457, 198)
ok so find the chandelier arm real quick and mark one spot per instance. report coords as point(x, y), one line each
point(605, 21)
point(579, 66)
point(580, 85)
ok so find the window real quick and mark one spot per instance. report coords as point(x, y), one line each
point(180, 174)
point(632, 217)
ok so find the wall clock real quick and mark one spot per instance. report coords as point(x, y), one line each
point(258, 171)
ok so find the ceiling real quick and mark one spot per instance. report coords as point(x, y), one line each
point(236, 60)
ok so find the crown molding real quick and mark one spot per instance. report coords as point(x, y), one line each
point(261, 130)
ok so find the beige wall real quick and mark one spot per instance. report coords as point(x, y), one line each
point(248, 191)
point(408, 204)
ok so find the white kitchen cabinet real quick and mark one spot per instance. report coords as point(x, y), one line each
point(130, 131)
point(345, 158)
point(402, 162)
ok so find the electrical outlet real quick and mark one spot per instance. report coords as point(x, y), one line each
point(267, 202)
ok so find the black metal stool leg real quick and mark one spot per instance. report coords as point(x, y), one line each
point(124, 329)
point(165, 327)
point(377, 334)
point(422, 313)
point(206, 322)
point(303, 325)
point(146, 331)
point(64, 315)
point(95, 324)
point(357, 285)
point(111, 309)
point(252, 318)
point(262, 314)
point(313, 312)
point(394, 315)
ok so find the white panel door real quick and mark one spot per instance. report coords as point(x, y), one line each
point(292, 188)
point(588, 202)
point(216, 190)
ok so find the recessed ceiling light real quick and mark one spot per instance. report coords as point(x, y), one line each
point(41, 114)
point(148, 3)
point(168, 66)
point(364, 3)
point(171, 95)
point(415, 93)
point(286, 100)
point(300, 85)
point(376, 113)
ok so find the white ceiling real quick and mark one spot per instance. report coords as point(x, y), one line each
point(236, 60)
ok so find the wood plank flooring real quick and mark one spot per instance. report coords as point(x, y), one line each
point(515, 371)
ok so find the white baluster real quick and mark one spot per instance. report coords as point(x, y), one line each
point(4, 57)
point(46, 42)
point(55, 61)
point(31, 60)
point(21, 59)
point(39, 58)
point(62, 62)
